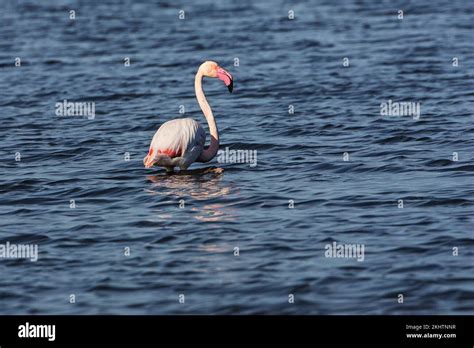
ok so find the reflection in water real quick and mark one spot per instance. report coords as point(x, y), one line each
point(199, 184)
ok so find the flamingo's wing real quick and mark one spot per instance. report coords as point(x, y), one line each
point(178, 143)
point(194, 148)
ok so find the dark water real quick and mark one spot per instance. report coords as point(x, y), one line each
point(282, 62)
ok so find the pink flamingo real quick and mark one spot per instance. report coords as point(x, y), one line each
point(180, 142)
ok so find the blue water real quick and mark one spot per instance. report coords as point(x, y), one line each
point(190, 250)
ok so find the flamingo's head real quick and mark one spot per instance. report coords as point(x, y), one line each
point(212, 69)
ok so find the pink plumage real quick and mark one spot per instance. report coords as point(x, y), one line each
point(180, 142)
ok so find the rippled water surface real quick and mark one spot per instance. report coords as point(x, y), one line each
point(190, 250)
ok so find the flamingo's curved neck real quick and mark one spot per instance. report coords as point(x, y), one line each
point(209, 152)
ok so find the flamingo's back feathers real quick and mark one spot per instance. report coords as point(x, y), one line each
point(181, 140)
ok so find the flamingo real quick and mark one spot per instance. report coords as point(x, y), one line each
point(180, 142)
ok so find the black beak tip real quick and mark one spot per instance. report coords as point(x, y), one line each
point(231, 86)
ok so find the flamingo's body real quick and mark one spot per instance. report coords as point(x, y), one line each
point(180, 142)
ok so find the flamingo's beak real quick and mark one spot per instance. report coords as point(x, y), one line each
point(226, 77)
